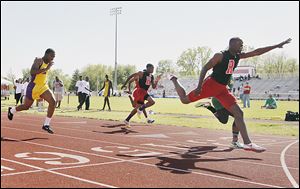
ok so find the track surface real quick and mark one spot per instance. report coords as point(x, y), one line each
point(94, 153)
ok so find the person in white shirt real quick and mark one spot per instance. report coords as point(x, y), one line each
point(18, 91)
point(87, 91)
point(24, 88)
point(58, 88)
point(84, 93)
point(79, 88)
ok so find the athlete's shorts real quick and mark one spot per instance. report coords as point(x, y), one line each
point(212, 88)
point(58, 96)
point(34, 91)
point(140, 95)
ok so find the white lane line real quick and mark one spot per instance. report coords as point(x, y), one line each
point(122, 144)
point(72, 129)
point(71, 122)
point(275, 143)
point(61, 174)
point(205, 174)
point(285, 169)
point(136, 162)
point(25, 117)
point(62, 168)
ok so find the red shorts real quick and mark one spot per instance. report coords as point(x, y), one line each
point(140, 95)
point(212, 88)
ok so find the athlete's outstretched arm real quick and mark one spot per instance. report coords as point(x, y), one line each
point(217, 58)
point(263, 50)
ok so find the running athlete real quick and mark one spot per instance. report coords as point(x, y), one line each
point(223, 65)
point(134, 103)
point(140, 94)
point(107, 85)
point(38, 88)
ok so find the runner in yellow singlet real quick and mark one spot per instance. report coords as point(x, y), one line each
point(107, 86)
point(38, 88)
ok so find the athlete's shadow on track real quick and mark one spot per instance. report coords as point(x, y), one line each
point(116, 132)
point(186, 162)
point(29, 139)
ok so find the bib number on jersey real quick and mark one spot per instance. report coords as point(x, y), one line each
point(230, 67)
point(148, 80)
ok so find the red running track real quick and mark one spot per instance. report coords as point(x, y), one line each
point(93, 153)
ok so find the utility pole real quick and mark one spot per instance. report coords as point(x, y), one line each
point(116, 11)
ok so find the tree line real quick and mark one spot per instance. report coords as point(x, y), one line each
point(189, 63)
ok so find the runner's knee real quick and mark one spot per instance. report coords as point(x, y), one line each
point(185, 100)
point(52, 102)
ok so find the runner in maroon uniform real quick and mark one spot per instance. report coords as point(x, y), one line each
point(135, 103)
point(223, 65)
point(140, 94)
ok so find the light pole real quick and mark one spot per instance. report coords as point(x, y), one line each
point(115, 11)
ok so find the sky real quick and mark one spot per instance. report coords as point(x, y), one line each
point(83, 33)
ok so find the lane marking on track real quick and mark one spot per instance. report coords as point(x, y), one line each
point(170, 168)
point(162, 150)
point(164, 140)
point(71, 122)
point(285, 169)
point(147, 164)
point(62, 168)
point(61, 174)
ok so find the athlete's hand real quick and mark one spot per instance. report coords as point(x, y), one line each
point(280, 45)
point(197, 91)
point(49, 65)
point(158, 77)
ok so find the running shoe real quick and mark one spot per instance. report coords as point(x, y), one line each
point(48, 129)
point(202, 104)
point(9, 114)
point(236, 145)
point(254, 147)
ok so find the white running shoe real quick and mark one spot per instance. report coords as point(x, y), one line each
point(202, 104)
point(236, 145)
point(254, 147)
point(127, 125)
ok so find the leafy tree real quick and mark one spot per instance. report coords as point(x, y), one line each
point(165, 66)
point(75, 78)
point(191, 61)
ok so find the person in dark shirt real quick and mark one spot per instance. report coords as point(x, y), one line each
point(140, 94)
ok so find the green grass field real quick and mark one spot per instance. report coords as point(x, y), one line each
point(172, 112)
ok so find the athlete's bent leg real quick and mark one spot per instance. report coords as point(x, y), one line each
point(180, 91)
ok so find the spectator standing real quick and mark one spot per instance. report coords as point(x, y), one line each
point(246, 95)
point(79, 88)
point(18, 90)
point(87, 93)
point(58, 88)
